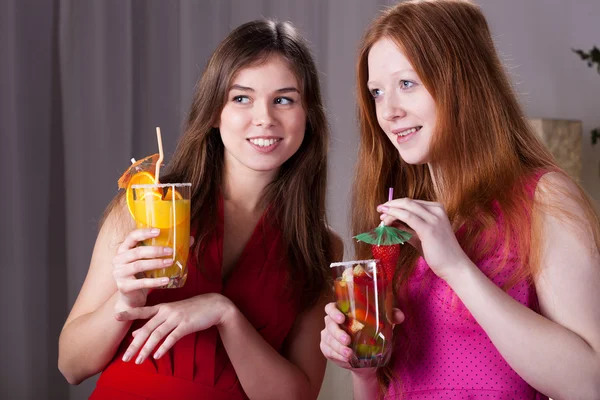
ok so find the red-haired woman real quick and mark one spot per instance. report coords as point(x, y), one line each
point(499, 288)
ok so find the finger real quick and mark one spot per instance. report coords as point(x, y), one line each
point(142, 252)
point(334, 312)
point(132, 269)
point(137, 313)
point(141, 336)
point(397, 316)
point(336, 332)
point(155, 337)
point(421, 210)
point(330, 353)
point(429, 203)
point(136, 236)
point(192, 240)
point(169, 342)
point(412, 220)
point(338, 343)
point(130, 285)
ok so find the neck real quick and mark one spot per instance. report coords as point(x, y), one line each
point(243, 187)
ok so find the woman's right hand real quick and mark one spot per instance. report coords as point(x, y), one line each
point(335, 341)
point(132, 259)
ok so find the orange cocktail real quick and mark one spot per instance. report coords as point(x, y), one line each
point(164, 206)
point(365, 297)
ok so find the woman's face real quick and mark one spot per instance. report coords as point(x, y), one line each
point(263, 121)
point(405, 110)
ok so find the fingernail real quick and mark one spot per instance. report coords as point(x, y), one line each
point(155, 231)
point(168, 261)
point(157, 355)
point(344, 338)
point(347, 352)
point(138, 360)
point(340, 318)
point(168, 250)
point(127, 357)
point(383, 216)
point(164, 281)
point(382, 208)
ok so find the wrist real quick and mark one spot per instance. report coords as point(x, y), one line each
point(364, 374)
point(123, 303)
point(227, 310)
point(120, 306)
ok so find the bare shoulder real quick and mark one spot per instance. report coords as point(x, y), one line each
point(559, 189)
point(559, 199)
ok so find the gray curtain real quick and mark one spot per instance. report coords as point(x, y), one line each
point(83, 83)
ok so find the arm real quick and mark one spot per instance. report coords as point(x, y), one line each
point(262, 371)
point(557, 353)
point(91, 335)
point(266, 375)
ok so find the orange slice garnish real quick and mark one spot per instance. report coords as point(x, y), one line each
point(169, 195)
point(140, 178)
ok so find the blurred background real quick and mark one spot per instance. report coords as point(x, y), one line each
point(83, 84)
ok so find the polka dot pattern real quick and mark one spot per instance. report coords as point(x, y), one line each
point(442, 353)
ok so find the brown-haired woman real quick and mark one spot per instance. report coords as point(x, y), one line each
point(500, 286)
point(247, 322)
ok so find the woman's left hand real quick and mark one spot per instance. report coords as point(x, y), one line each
point(173, 321)
point(430, 222)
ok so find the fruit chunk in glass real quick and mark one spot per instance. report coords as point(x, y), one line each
point(166, 207)
point(364, 295)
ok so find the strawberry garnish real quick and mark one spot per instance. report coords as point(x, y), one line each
point(388, 255)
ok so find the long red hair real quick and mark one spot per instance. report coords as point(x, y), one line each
point(483, 149)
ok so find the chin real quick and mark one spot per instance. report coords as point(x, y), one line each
point(413, 159)
point(264, 167)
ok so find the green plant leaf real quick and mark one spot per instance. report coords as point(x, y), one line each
point(591, 58)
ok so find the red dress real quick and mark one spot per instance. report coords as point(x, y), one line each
point(197, 366)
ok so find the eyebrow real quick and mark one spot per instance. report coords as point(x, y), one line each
point(400, 71)
point(249, 89)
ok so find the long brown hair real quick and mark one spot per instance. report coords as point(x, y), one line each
point(483, 148)
point(297, 196)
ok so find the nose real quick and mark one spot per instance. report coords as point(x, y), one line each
point(263, 115)
point(392, 107)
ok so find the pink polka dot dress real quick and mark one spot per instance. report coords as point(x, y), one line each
point(442, 353)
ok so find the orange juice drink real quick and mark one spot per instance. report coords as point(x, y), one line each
point(364, 295)
point(165, 206)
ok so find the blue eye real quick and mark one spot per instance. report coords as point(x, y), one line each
point(284, 101)
point(241, 99)
point(404, 84)
point(375, 93)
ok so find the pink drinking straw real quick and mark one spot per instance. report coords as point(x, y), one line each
point(391, 194)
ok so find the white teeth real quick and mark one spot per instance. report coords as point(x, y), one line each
point(264, 142)
point(407, 132)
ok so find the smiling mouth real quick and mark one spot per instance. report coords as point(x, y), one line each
point(407, 132)
point(260, 142)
